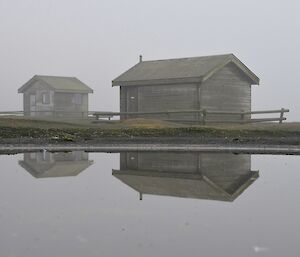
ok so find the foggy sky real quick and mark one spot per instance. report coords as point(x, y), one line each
point(97, 40)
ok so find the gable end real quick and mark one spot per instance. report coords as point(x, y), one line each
point(31, 82)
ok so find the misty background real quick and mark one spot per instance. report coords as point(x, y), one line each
point(96, 41)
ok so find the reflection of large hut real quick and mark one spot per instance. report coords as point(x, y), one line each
point(215, 176)
point(60, 164)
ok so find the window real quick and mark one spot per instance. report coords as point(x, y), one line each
point(46, 98)
point(77, 99)
point(32, 156)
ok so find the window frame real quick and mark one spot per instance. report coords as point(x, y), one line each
point(46, 98)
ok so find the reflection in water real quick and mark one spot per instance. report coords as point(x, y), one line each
point(91, 214)
point(60, 164)
point(214, 176)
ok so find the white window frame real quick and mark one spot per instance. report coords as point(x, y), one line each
point(46, 96)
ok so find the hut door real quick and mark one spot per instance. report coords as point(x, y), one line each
point(132, 161)
point(132, 100)
point(32, 105)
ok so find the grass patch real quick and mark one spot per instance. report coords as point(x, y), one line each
point(87, 130)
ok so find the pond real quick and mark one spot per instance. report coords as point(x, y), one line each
point(149, 204)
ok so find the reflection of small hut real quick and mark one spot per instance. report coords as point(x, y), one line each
point(60, 164)
point(215, 176)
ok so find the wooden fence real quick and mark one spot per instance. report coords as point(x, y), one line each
point(49, 114)
point(203, 116)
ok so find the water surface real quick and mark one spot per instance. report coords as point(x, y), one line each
point(149, 204)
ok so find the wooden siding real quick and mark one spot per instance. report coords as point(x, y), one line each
point(123, 101)
point(175, 162)
point(221, 176)
point(26, 104)
point(226, 169)
point(160, 98)
point(227, 90)
point(215, 164)
point(61, 104)
point(60, 164)
point(37, 89)
point(65, 105)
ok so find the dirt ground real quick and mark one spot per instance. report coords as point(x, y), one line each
point(139, 123)
point(34, 131)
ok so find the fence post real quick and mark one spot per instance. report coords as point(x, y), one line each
point(204, 116)
point(242, 116)
point(281, 115)
point(168, 115)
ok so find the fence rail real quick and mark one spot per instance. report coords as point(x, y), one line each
point(203, 116)
point(45, 114)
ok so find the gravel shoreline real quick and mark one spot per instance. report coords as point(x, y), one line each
point(265, 145)
point(198, 139)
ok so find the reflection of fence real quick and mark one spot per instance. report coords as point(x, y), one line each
point(202, 116)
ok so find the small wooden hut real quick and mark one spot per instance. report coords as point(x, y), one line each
point(53, 96)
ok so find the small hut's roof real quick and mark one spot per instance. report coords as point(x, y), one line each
point(59, 84)
point(184, 185)
point(193, 69)
point(57, 169)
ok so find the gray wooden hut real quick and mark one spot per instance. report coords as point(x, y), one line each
point(213, 176)
point(213, 83)
point(55, 96)
point(60, 164)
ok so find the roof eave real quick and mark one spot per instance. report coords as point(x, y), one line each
point(74, 91)
point(186, 80)
point(35, 78)
point(245, 69)
point(23, 88)
point(232, 59)
point(250, 75)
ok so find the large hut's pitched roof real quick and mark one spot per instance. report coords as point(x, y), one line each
point(183, 185)
point(193, 69)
